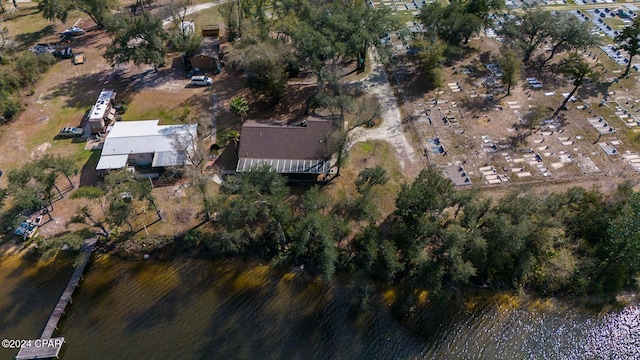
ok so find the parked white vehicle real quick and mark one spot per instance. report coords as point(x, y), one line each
point(201, 81)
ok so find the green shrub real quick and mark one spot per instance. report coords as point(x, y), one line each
point(9, 107)
point(29, 66)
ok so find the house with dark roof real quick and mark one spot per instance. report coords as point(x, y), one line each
point(289, 150)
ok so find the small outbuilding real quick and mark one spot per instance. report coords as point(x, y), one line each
point(206, 56)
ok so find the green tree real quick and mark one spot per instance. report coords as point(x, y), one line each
point(314, 201)
point(231, 14)
point(622, 246)
point(315, 237)
point(527, 245)
point(258, 199)
point(32, 185)
point(431, 60)
point(181, 38)
point(265, 66)
point(84, 213)
point(117, 199)
point(325, 32)
point(510, 65)
point(629, 40)
point(436, 248)
point(378, 255)
point(25, 188)
point(526, 31)
point(456, 22)
point(370, 177)
point(569, 33)
point(449, 22)
point(29, 66)
point(580, 70)
point(365, 26)
point(239, 106)
point(137, 39)
point(97, 10)
point(10, 106)
point(430, 193)
point(49, 247)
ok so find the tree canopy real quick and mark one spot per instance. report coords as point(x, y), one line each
point(137, 39)
point(528, 30)
point(629, 40)
point(97, 10)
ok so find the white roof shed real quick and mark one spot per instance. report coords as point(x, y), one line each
point(146, 137)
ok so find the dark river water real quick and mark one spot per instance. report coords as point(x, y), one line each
point(198, 309)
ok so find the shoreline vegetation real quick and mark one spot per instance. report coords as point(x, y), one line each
point(438, 242)
point(364, 294)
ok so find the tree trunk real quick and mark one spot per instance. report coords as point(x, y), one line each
point(69, 180)
point(58, 190)
point(527, 54)
point(553, 53)
point(627, 69)
point(566, 100)
point(509, 89)
point(140, 4)
point(95, 20)
point(156, 207)
point(320, 82)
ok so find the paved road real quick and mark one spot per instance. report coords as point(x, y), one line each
point(391, 129)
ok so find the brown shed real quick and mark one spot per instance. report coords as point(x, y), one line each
point(206, 57)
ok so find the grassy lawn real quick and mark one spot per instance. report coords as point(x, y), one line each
point(614, 22)
point(369, 154)
point(209, 16)
point(166, 116)
point(27, 26)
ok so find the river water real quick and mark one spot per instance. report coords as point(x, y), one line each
point(199, 309)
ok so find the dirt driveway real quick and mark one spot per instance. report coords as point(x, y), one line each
point(391, 129)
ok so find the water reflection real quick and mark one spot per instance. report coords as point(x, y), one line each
point(197, 309)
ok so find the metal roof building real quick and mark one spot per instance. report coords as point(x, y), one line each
point(286, 149)
point(145, 143)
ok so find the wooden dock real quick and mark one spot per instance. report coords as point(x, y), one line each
point(46, 346)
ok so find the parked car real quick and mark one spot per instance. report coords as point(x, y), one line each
point(201, 81)
point(71, 132)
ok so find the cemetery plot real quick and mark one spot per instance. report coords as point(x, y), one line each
point(458, 175)
point(632, 159)
point(491, 175)
point(586, 164)
point(622, 113)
